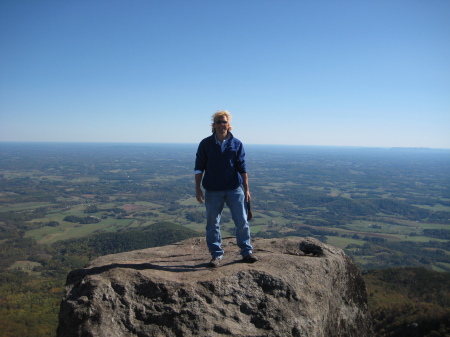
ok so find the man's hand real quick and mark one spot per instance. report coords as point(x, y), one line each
point(248, 197)
point(199, 196)
point(198, 189)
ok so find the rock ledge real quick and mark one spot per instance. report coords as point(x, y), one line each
point(300, 287)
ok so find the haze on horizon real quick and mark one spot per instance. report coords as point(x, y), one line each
point(347, 73)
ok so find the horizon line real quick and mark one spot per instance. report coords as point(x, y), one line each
point(247, 144)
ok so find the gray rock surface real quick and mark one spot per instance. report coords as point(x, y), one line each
point(300, 287)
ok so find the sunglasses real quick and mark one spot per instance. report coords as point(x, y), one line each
point(221, 122)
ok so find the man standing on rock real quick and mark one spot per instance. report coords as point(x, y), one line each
point(220, 163)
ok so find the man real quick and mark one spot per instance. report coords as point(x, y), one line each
point(220, 167)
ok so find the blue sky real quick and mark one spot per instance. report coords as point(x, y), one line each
point(344, 73)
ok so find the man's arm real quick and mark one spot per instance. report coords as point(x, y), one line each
point(246, 187)
point(198, 188)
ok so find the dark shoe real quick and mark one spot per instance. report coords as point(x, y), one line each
point(250, 258)
point(215, 262)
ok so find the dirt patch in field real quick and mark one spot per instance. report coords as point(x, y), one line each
point(384, 236)
point(132, 207)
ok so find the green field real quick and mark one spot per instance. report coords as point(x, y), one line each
point(261, 222)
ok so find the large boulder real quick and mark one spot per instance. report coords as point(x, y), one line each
point(300, 287)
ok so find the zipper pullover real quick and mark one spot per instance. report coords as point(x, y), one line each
point(221, 168)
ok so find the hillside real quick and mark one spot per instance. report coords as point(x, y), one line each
point(404, 301)
point(30, 294)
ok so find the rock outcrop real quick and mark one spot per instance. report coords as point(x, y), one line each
point(300, 287)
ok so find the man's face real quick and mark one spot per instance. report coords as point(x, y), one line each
point(221, 124)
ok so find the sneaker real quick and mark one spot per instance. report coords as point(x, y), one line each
point(250, 258)
point(215, 262)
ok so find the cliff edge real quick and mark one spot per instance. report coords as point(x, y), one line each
point(300, 287)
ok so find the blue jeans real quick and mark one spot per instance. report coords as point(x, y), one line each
point(235, 200)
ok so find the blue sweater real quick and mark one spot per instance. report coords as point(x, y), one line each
point(221, 169)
